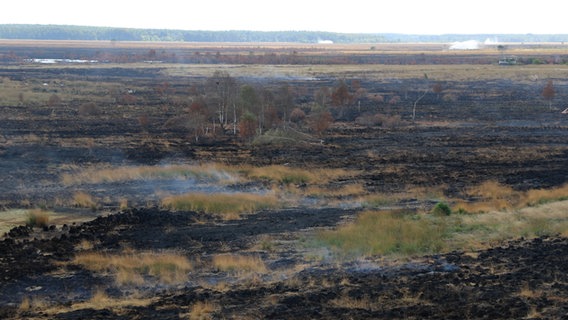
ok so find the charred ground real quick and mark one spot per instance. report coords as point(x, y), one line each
point(499, 129)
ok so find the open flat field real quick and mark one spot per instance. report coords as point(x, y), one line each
point(282, 181)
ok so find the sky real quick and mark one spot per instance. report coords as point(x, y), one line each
point(363, 16)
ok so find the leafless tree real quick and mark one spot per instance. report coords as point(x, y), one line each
point(548, 93)
point(222, 92)
point(420, 98)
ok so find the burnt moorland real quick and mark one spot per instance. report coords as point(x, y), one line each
point(413, 125)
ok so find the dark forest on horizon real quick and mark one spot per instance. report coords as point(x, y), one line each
point(64, 32)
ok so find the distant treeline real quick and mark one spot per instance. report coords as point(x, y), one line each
point(61, 32)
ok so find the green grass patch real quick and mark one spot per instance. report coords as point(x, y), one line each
point(387, 233)
point(380, 232)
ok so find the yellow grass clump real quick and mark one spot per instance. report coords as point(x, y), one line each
point(202, 310)
point(133, 268)
point(540, 196)
point(214, 172)
point(32, 303)
point(84, 200)
point(479, 230)
point(239, 263)
point(227, 205)
point(349, 190)
point(493, 196)
point(289, 175)
point(37, 218)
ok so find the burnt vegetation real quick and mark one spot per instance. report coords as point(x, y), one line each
point(282, 181)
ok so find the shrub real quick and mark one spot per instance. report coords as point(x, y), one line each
point(247, 125)
point(320, 121)
point(441, 209)
point(88, 109)
point(297, 115)
point(53, 101)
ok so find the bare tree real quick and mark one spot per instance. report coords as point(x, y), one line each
point(285, 101)
point(420, 98)
point(222, 91)
point(548, 93)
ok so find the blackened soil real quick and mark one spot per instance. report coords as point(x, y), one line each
point(522, 279)
point(29, 257)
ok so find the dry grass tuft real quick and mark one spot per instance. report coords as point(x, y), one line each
point(84, 245)
point(123, 204)
point(212, 172)
point(25, 305)
point(100, 300)
point(239, 263)
point(288, 175)
point(203, 310)
point(541, 196)
point(135, 267)
point(350, 190)
point(353, 303)
point(229, 206)
point(84, 200)
point(32, 303)
point(493, 196)
point(38, 218)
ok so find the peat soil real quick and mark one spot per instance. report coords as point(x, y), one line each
point(520, 279)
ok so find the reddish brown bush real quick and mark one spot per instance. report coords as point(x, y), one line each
point(297, 115)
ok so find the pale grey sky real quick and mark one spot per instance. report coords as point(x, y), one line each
point(392, 16)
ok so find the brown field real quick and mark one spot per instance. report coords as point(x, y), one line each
point(282, 181)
